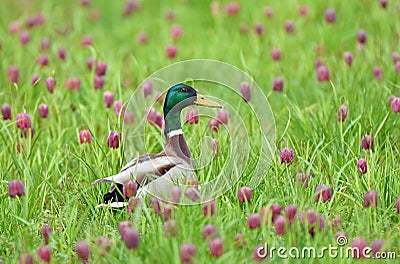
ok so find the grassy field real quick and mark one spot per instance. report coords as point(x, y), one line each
point(57, 170)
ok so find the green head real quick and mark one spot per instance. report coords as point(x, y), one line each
point(178, 97)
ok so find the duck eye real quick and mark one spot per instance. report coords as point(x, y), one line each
point(184, 90)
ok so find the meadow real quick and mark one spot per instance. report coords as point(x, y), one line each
point(329, 69)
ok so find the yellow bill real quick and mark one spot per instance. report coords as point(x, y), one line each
point(201, 100)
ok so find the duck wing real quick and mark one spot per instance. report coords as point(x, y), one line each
point(164, 170)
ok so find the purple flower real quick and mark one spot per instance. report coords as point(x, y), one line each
point(303, 10)
point(23, 120)
point(274, 210)
point(171, 51)
point(44, 254)
point(244, 194)
point(131, 238)
point(192, 116)
point(187, 253)
point(159, 119)
point(176, 194)
point(82, 250)
point(397, 67)
point(123, 226)
point(280, 223)
point(209, 208)
point(348, 58)
point(215, 147)
point(35, 79)
point(45, 43)
point(276, 54)
point(108, 98)
point(193, 194)
point(103, 243)
point(341, 234)
point(117, 108)
point(176, 32)
point(90, 63)
point(16, 188)
point(129, 118)
point(147, 87)
point(289, 26)
point(232, 8)
point(367, 142)
point(323, 74)
point(13, 74)
point(42, 60)
point(259, 253)
point(142, 37)
point(398, 205)
point(362, 37)
point(98, 82)
point(245, 91)
point(376, 246)
point(25, 259)
point(113, 140)
point(46, 230)
point(259, 28)
point(290, 212)
point(101, 68)
point(130, 6)
point(330, 15)
point(323, 192)
point(216, 247)
point(317, 64)
point(395, 57)
point(360, 244)
point(371, 199)
point(24, 37)
point(335, 222)
point(378, 73)
point(362, 166)
point(14, 27)
point(62, 53)
point(254, 221)
point(85, 136)
point(170, 228)
point(129, 189)
point(87, 41)
point(383, 3)
point(214, 124)
point(313, 221)
point(43, 110)
point(286, 155)
point(73, 83)
point(268, 12)
point(209, 232)
point(395, 104)
point(342, 113)
point(222, 116)
point(302, 178)
point(277, 84)
point(215, 8)
point(50, 84)
point(6, 112)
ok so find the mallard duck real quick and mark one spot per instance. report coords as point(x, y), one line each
point(158, 173)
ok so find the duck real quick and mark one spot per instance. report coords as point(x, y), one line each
point(157, 174)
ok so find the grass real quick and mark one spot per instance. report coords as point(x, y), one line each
point(57, 171)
